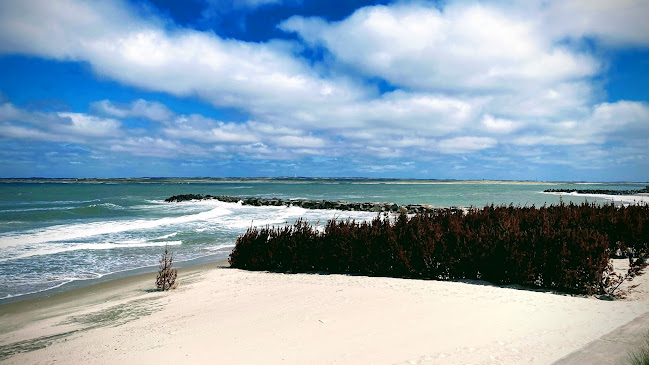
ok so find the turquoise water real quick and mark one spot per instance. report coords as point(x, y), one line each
point(53, 234)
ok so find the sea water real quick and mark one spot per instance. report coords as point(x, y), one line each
point(57, 234)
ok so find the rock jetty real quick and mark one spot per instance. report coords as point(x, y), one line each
point(317, 204)
point(599, 191)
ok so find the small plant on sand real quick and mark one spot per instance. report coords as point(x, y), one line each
point(641, 355)
point(166, 275)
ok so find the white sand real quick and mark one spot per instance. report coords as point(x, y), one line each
point(232, 316)
point(621, 199)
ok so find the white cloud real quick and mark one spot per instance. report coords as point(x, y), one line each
point(466, 46)
point(468, 76)
point(465, 144)
point(300, 141)
point(548, 140)
point(206, 130)
point(155, 147)
point(616, 23)
point(259, 77)
point(20, 132)
point(56, 127)
point(623, 121)
point(624, 116)
point(87, 125)
point(498, 125)
point(139, 108)
point(9, 112)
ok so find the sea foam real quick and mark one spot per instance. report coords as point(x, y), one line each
point(74, 231)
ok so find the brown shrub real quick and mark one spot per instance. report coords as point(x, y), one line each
point(563, 247)
point(166, 278)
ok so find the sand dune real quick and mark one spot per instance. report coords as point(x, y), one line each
point(221, 315)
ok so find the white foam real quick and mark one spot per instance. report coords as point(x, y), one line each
point(107, 205)
point(67, 247)
point(248, 216)
point(75, 231)
point(37, 209)
point(624, 199)
point(166, 236)
point(81, 276)
point(38, 291)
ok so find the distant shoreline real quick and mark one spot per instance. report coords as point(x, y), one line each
point(298, 180)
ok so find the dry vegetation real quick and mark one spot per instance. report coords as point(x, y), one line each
point(564, 247)
point(166, 278)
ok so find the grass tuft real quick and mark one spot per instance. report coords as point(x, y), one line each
point(641, 356)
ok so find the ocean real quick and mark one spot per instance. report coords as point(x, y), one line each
point(60, 234)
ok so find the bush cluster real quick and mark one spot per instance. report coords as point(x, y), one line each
point(562, 247)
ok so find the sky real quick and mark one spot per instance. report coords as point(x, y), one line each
point(457, 89)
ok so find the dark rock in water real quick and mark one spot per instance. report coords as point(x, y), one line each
point(185, 197)
point(316, 204)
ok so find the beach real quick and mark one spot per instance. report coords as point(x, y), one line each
point(227, 315)
point(73, 290)
point(57, 234)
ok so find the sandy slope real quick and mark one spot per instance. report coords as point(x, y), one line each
point(233, 316)
point(620, 199)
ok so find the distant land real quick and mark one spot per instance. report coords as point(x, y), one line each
point(285, 179)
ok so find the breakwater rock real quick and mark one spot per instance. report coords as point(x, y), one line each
point(317, 204)
point(599, 191)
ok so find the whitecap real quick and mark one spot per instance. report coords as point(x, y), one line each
point(67, 247)
point(74, 231)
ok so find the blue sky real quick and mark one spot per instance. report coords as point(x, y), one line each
point(459, 89)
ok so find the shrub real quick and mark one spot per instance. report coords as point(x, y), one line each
point(166, 278)
point(563, 247)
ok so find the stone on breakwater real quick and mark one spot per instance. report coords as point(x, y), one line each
point(316, 204)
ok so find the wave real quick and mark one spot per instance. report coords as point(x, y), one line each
point(166, 236)
point(49, 202)
point(155, 201)
point(76, 276)
point(65, 281)
point(11, 222)
point(106, 205)
point(87, 208)
point(40, 209)
point(97, 208)
point(52, 250)
point(76, 231)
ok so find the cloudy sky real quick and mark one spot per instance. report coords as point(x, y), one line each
point(534, 89)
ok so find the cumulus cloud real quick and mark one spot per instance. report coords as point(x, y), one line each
point(623, 121)
point(88, 125)
point(300, 141)
point(155, 147)
point(465, 77)
point(119, 43)
point(498, 125)
point(623, 116)
point(465, 144)
point(137, 109)
point(616, 23)
point(466, 46)
point(57, 127)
